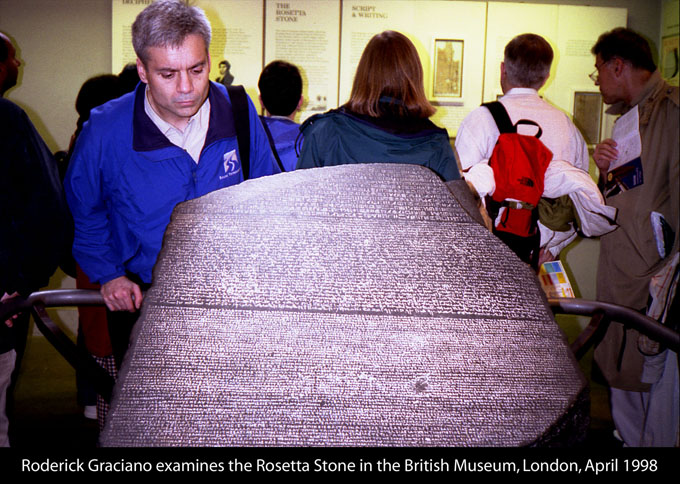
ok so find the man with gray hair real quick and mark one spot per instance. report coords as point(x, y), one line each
point(524, 70)
point(171, 140)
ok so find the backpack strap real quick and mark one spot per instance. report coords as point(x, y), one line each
point(503, 121)
point(530, 123)
point(239, 106)
point(500, 116)
point(272, 144)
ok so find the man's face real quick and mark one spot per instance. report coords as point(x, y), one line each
point(10, 68)
point(607, 80)
point(177, 79)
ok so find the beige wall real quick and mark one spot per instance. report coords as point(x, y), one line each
point(61, 43)
point(64, 42)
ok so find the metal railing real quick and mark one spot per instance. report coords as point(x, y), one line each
point(602, 315)
point(79, 358)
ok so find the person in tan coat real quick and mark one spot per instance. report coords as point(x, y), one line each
point(644, 187)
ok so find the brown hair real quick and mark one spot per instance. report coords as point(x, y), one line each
point(390, 66)
point(626, 44)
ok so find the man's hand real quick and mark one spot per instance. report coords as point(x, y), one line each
point(545, 256)
point(121, 294)
point(605, 153)
point(7, 297)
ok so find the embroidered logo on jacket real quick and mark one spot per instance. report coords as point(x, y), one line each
point(231, 165)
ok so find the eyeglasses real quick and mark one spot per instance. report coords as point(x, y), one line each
point(595, 75)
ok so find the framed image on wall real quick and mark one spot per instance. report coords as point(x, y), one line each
point(588, 115)
point(669, 59)
point(447, 81)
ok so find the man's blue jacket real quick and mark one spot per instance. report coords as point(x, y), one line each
point(125, 178)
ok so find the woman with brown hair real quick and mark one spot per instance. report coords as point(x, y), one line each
point(386, 118)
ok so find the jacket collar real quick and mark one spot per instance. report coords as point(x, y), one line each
point(397, 126)
point(521, 91)
point(147, 137)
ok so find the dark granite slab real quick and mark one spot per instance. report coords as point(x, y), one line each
point(356, 305)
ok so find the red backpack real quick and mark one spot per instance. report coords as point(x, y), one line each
point(518, 163)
